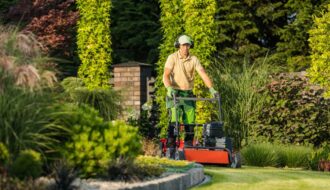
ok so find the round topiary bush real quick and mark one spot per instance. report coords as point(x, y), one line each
point(27, 164)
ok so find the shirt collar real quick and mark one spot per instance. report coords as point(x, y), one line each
point(180, 57)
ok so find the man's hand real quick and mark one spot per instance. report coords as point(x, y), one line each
point(213, 92)
point(170, 91)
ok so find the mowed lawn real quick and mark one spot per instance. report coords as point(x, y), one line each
point(255, 178)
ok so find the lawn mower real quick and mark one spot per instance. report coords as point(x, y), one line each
point(213, 147)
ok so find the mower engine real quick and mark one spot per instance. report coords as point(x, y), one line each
point(213, 135)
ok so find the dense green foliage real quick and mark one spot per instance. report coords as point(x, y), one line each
point(93, 143)
point(295, 112)
point(135, 30)
point(172, 26)
point(292, 21)
point(237, 40)
point(27, 164)
point(251, 30)
point(94, 42)
point(238, 89)
point(320, 55)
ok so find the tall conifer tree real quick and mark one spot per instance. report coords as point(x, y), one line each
point(94, 42)
point(172, 26)
point(199, 22)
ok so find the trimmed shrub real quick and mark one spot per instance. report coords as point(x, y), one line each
point(27, 164)
point(295, 112)
point(94, 42)
point(260, 155)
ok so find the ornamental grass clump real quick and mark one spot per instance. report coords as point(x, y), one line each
point(263, 154)
point(22, 62)
point(238, 86)
point(293, 156)
point(106, 101)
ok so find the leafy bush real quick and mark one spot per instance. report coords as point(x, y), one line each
point(27, 164)
point(295, 112)
point(93, 142)
point(322, 153)
point(294, 156)
point(4, 155)
point(260, 155)
point(106, 101)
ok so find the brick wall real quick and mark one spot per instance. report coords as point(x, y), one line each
point(131, 79)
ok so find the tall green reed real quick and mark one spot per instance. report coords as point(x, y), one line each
point(238, 86)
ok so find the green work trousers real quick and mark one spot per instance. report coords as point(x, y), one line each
point(185, 109)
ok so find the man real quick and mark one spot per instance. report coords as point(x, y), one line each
point(178, 78)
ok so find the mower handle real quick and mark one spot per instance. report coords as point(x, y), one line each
point(215, 99)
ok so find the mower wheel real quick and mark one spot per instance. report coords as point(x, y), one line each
point(236, 160)
point(179, 155)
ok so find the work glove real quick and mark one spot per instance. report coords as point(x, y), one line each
point(213, 92)
point(170, 91)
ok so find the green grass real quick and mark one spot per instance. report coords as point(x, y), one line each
point(255, 178)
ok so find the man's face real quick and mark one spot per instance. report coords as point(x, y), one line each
point(184, 49)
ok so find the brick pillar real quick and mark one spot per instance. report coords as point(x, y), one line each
point(131, 79)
